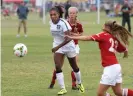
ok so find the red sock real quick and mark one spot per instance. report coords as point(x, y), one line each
point(53, 77)
point(130, 92)
point(73, 79)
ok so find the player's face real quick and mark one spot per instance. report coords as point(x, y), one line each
point(54, 16)
point(72, 14)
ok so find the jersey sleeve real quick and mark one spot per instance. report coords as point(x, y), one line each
point(121, 48)
point(66, 26)
point(98, 37)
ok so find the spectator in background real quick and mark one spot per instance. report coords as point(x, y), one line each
point(107, 8)
point(126, 15)
point(6, 13)
point(22, 13)
point(67, 6)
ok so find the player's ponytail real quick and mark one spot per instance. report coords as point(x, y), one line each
point(119, 32)
point(59, 10)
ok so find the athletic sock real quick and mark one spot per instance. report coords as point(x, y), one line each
point(73, 79)
point(78, 77)
point(60, 79)
point(127, 92)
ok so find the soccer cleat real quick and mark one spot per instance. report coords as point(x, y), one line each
point(51, 86)
point(81, 88)
point(62, 91)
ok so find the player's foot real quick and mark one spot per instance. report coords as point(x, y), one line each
point(25, 35)
point(74, 87)
point(17, 35)
point(81, 88)
point(62, 91)
point(51, 86)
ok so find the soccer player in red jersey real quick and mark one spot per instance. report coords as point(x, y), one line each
point(6, 13)
point(114, 38)
point(77, 30)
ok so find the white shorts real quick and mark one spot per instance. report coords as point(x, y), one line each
point(69, 50)
point(77, 49)
point(111, 75)
point(69, 54)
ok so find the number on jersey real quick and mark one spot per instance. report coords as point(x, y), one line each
point(114, 45)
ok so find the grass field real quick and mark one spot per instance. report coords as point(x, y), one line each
point(31, 75)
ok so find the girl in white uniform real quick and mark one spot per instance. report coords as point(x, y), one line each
point(63, 47)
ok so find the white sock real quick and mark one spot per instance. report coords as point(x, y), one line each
point(78, 77)
point(125, 92)
point(60, 79)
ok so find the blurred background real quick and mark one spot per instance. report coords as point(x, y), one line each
point(114, 6)
point(30, 76)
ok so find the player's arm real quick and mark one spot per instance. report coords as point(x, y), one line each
point(97, 37)
point(82, 38)
point(67, 40)
point(122, 49)
point(76, 34)
point(66, 29)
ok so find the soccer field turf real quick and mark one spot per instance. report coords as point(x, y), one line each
point(31, 75)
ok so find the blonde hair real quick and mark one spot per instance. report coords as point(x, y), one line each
point(73, 8)
point(119, 32)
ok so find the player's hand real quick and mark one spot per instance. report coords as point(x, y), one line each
point(67, 37)
point(125, 54)
point(54, 49)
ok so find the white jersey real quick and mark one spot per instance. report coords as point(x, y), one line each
point(58, 32)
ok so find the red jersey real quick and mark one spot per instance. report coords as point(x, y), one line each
point(108, 46)
point(79, 29)
point(6, 11)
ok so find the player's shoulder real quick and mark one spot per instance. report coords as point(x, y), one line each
point(63, 20)
point(101, 33)
point(79, 23)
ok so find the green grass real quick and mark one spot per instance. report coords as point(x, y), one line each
point(31, 75)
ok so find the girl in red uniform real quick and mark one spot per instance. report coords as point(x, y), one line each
point(77, 30)
point(114, 38)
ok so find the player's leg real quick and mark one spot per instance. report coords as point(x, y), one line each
point(123, 22)
point(53, 80)
point(19, 27)
point(129, 24)
point(25, 27)
point(117, 89)
point(74, 87)
point(121, 92)
point(72, 60)
point(102, 90)
point(54, 77)
point(58, 57)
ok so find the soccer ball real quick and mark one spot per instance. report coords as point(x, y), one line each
point(20, 50)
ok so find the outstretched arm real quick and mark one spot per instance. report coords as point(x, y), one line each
point(82, 38)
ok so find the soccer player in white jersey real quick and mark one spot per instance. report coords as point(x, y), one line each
point(77, 30)
point(63, 47)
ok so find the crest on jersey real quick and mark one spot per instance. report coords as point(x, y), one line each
point(58, 26)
